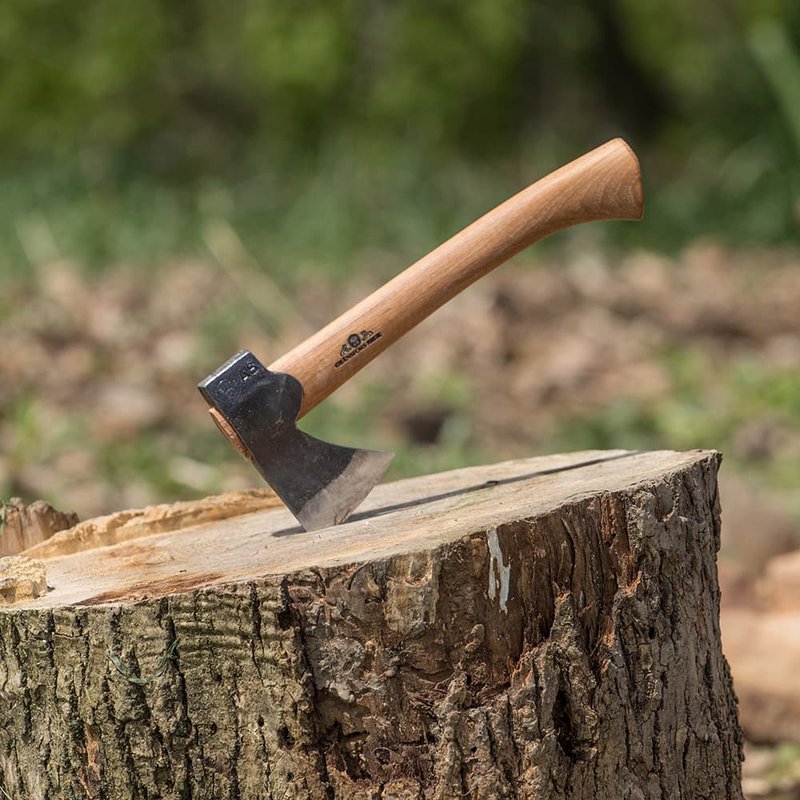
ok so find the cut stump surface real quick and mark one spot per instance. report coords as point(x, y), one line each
point(545, 628)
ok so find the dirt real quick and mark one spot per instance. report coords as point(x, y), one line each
point(99, 411)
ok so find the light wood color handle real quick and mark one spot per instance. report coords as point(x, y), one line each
point(603, 184)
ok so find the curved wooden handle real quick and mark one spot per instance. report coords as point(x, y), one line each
point(603, 184)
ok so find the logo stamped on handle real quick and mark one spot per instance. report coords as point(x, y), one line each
point(356, 342)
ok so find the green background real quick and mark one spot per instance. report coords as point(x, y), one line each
point(313, 126)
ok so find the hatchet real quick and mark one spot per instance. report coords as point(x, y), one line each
point(257, 407)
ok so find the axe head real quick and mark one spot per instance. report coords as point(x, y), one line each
point(320, 483)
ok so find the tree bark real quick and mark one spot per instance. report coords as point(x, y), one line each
point(546, 628)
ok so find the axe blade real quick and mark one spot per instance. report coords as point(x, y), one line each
point(320, 483)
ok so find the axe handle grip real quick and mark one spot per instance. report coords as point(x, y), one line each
point(603, 184)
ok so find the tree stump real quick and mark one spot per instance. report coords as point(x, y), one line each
point(22, 527)
point(544, 628)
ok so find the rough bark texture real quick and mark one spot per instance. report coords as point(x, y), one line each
point(570, 652)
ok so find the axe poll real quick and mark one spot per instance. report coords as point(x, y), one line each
point(257, 407)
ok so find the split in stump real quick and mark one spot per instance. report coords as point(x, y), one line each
point(545, 628)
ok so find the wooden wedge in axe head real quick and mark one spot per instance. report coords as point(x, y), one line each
point(257, 407)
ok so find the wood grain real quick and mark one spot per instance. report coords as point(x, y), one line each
point(221, 542)
point(22, 527)
point(604, 184)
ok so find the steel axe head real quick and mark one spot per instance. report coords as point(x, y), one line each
point(257, 410)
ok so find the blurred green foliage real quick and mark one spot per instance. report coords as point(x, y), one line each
point(317, 127)
point(708, 405)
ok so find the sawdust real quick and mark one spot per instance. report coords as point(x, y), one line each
point(21, 579)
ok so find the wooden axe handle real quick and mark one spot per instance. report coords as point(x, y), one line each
point(603, 184)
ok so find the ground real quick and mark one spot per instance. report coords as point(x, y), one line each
point(99, 411)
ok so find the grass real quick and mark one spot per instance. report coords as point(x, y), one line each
point(312, 217)
point(298, 221)
point(707, 406)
